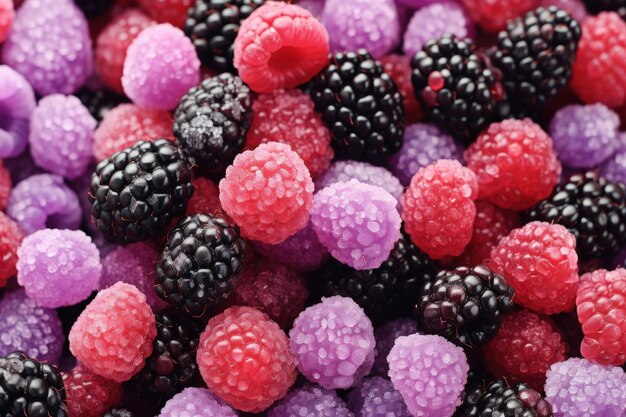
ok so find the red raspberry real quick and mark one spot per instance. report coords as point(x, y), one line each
point(205, 199)
point(10, 239)
point(6, 18)
point(524, 348)
point(244, 359)
point(289, 117)
point(5, 186)
point(601, 308)
point(89, 395)
point(128, 123)
point(113, 42)
point(399, 69)
point(438, 208)
point(540, 262)
point(490, 225)
point(492, 16)
point(280, 45)
point(515, 164)
point(167, 11)
point(597, 74)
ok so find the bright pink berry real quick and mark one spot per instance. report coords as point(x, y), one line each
point(539, 261)
point(10, 239)
point(89, 395)
point(515, 164)
point(601, 308)
point(167, 11)
point(438, 208)
point(493, 16)
point(5, 186)
point(280, 45)
point(6, 18)
point(205, 199)
point(399, 69)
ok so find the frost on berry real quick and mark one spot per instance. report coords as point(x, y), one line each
point(376, 397)
point(311, 401)
point(196, 402)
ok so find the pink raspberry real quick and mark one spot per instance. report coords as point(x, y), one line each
point(205, 198)
point(280, 45)
point(244, 359)
point(10, 240)
point(89, 395)
point(493, 16)
point(113, 335)
point(515, 164)
point(126, 124)
point(268, 192)
point(540, 262)
point(601, 308)
point(167, 11)
point(113, 42)
point(6, 18)
point(438, 208)
point(289, 117)
point(399, 69)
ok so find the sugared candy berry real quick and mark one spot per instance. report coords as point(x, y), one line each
point(89, 395)
point(196, 402)
point(6, 18)
point(386, 336)
point(205, 199)
point(113, 335)
point(168, 11)
point(310, 401)
point(10, 239)
point(17, 100)
point(399, 69)
point(493, 16)
point(376, 397)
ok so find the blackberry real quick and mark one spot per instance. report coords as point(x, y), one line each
point(119, 413)
point(592, 209)
point(172, 364)
point(535, 55)
point(99, 102)
point(597, 6)
point(211, 122)
point(361, 106)
point(200, 263)
point(30, 388)
point(456, 86)
point(212, 26)
point(94, 8)
point(464, 305)
point(136, 192)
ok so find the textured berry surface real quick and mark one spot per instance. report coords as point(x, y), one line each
point(601, 308)
point(196, 402)
point(515, 164)
point(539, 261)
point(399, 69)
point(268, 192)
point(386, 336)
point(114, 334)
point(310, 401)
point(18, 102)
point(205, 199)
point(438, 208)
point(244, 359)
point(375, 397)
point(7, 14)
point(169, 11)
point(270, 53)
point(89, 395)
point(10, 240)
point(493, 16)
point(429, 372)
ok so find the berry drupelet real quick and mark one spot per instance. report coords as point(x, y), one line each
point(361, 106)
point(136, 192)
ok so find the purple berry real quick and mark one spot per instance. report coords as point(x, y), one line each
point(386, 336)
point(196, 402)
point(376, 397)
point(17, 102)
point(310, 401)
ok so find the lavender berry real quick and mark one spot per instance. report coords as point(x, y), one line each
point(376, 397)
point(310, 401)
point(323, 357)
point(17, 102)
point(386, 336)
point(614, 169)
point(196, 402)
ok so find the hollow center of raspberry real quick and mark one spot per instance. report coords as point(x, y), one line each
point(285, 58)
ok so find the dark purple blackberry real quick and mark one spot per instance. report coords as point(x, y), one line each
point(211, 122)
point(464, 305)
point(455, 86)
point(597, 6)
point(592, 209)
point(99, 102)
point(94, 8)
point(119, 413)
point(136, 192)
point(212, 26)
point(200, 264)
point(30, 388)
point(361, 106)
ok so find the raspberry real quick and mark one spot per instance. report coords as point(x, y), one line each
point(376, 397)
point(438, 208)
point(205, 198)
point(168, 11)
point(493, 16)
point(515, 164)
point(196, 402)
point(113, 335)
point(288, 117)
point(112, 45)
point(10, 239)
point(539, 261)
point(126, 124)
point(244, 359)
point(597, 74)
point(18, 102)
point(280, 46)
point(311, 401)
point(6, 18)
point(601, 308)
point(89, 395)
point(399, 69)
point(268, 192)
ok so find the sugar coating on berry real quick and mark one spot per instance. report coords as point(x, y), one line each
point(29, 328)
point(429, 372)
point(601, 308)
point(113, 335)
point(205, 198)
point(61, 135)
point(580, 388)
point(89, 395)
point(128, 123)
point(10, 239)
point(244, 359)
point(196, 402)
point(524, 348)
point(17, 100)
point(515, 164)
point(268, 192)
point(112, 45)
point(438, 208)
point(540, 262)
point(423, 144)
point(358, 223)
point(161, 65)
point(168, 11)
point(493, 16)
point(310, 401)
point(6, 18)
point(288, 116)
point(280, 45)
point(386, 336)
point(399, 69)
point(376, 397)
point(60, 29)
point(328, 360)
point(596, 74)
